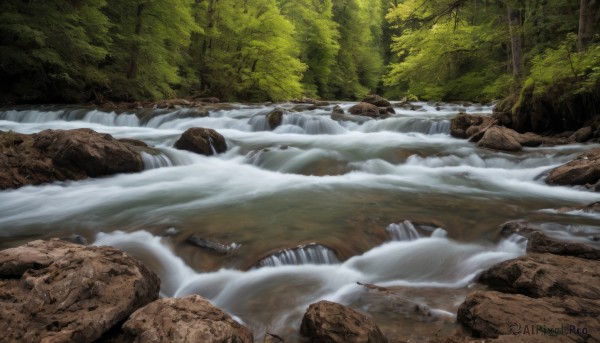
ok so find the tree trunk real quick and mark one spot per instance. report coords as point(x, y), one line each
point(588, 15)
point(516, 44)
point(133, 60)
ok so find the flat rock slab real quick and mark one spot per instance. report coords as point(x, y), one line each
point(583, 170)
point(565, 319)
point(540, 243)
point(55, 291)
point(59, 155)
point(545, 275)
point(328, 322)
point(189, 319)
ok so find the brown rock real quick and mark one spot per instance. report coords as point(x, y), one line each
point(493, 314)
point(582, 135)
point(500, 138)
point(540, 243)
point(545, 275)
point(377, 100)
point(338, 114)
point(58, 155)
point(585, 169)
point(518, 227)
point(466, 125)
point(202, 141)
point(275, 117)
point(189, 319)
point(54, 291)
point(329, 322)
point(84, 149)
point(364, 109)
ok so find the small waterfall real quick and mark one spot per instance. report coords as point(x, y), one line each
point(439, 127)
point(404, 231)
point(305, 254)
point(155, 161)
point(31, 116)
point(212, 146)
point(313, 124)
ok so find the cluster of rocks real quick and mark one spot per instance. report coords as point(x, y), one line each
point(488, 132)
point(371, 107)
point(552, 292)
point(55, 291)
point(60, 155)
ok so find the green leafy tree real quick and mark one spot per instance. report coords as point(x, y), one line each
point(51, 50)
point(359, 62)
point(246, 51)
point(317, 36)
point(448, 50)
point(151, 40)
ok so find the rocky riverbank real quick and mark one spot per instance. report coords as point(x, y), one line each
point(55, 291)
point(60, 155)
point(489, 132)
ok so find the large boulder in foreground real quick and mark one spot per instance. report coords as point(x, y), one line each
point(545, 275)
point(583, 170)
point(189, 319)
point(59, 155)
point(202, 141)
point(54, 291)
point(492, 314)
point(329, 322)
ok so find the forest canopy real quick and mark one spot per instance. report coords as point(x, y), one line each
point(270, 50)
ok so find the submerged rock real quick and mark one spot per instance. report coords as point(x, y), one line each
point(54, 291)
point(326, 321)
point(212, 244)
point(583, 170)
point(202, 141)
point(188, 319)
point(59, 155)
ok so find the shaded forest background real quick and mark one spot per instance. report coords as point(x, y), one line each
point(259, 50)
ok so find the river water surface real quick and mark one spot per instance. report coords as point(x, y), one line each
point(397, 202)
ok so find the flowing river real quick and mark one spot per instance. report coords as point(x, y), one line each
point(397, 202)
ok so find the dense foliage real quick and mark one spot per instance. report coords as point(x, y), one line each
point(256, 50)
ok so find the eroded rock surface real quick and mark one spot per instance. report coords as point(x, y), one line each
point(545, 275)
point(328, 322)
point(183, 320)
point(492, 314)
point(59, 155)
point(54, 291)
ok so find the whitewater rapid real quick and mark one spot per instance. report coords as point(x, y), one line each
point(313, 208)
